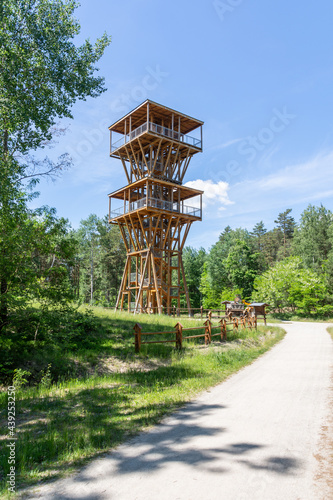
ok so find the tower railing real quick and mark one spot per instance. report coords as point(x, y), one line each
point(157, 129)
point(156, 203)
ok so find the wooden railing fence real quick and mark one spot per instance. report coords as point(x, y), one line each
point(207, 334)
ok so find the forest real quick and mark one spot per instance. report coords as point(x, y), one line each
point(290, 267)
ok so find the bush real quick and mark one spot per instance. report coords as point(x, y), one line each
point(38, 336)
point(289, 286)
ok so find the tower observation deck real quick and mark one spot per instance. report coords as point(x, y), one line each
point(154, 211)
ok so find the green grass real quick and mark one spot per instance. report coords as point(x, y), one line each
point(278, 317)
point(94, 408)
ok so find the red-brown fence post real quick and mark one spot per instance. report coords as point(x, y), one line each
point(208, 331)
point(179, 336)
point(137, 333)
point(235, 326)
point(210, 315)
point(223, 329)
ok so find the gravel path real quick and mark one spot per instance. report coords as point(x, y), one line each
point(262, 434)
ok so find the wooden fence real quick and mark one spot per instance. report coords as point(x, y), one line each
point(207, 334)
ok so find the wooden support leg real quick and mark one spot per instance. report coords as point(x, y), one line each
point(188, 302)
point(158, 298)
point(139, 296)
point(122, 286)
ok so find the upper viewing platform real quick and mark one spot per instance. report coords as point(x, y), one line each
point(152, 119)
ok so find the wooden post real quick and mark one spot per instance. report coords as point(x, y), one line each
point(179, 336)
point(208, 331)
point(210, 315)
point(137, 333)
point(201, 311)
point(178, 312)
point(174, 311)
point(223, 326)
point(235, 324)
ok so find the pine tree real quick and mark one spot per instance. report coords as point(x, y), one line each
point(258, 232)
point(286, 224)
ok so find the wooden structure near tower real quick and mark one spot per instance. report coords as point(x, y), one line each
point(156, 210)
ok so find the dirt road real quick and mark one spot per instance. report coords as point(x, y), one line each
point(262, 434)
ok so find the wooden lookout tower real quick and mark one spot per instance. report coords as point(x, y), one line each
point(155, 211)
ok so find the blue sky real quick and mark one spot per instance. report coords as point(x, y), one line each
point(258, 73)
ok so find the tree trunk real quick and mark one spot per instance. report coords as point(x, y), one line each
point(3, 277)
point(3, 303)
point(91, 276)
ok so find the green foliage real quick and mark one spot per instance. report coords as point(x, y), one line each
point(208, 289)
point(242, 267)
point(257, 233)
point(313, 238)
point(46, 380)
point(42, 71)
point(41, 336)
point(289, 286)
point(219, 272)
point(231, 293)
point(42, 74)
point(194, 261)
point(101, 259)
point(273, 247)
point(19, 379)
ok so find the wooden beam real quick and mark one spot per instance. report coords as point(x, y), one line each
point(122, 283)
point(157, 291)
point(188, 226)
point(125, 168)
point(124, 237)
point(136, 160)
point(155, 231)
point(143, 155)
point(185, 284)
point(157, 153)
point(130, 160)
point(130, 235)
point(142, 229)
point(142, 281)
point(134, 231)
point(186, 164)
point(168, 158)
point(175, 162)
point(167, 231)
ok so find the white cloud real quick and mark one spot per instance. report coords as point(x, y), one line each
point(312, 176)
point(225, 144)
point(215, 194)
point(294, 185)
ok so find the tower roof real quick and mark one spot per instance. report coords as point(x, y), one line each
point(139, 116)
